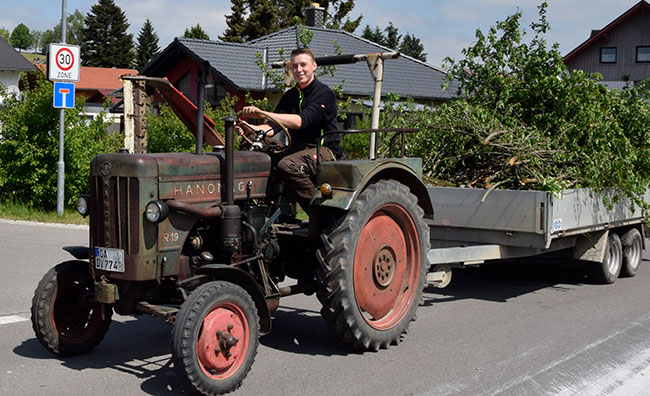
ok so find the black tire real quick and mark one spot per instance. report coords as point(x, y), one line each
point(217, 315)
point(369, 302)
point(632, 243)
point(63, 322)
point(608, 271)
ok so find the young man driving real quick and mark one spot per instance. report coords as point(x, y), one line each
point(306, 110)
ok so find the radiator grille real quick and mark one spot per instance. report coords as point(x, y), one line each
point(115, 217)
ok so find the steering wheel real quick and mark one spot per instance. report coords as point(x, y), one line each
point(279, 143)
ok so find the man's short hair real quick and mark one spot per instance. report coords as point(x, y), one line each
point(301, 51)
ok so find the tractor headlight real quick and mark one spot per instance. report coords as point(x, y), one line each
point(156, 211)
point(83, 204)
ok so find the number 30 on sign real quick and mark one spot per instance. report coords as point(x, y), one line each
point(63, 62)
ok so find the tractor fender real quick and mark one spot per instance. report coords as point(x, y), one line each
point(79, 252)
point(346, 186)
point(243, 279)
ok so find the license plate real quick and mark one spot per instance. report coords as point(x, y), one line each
point(109, 259)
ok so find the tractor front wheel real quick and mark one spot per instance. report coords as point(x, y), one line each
point(215, 338)
point(373, 266)
point(64, 319)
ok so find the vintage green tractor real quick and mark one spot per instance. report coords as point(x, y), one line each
point(197, 238)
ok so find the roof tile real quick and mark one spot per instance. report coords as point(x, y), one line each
point(12, 60)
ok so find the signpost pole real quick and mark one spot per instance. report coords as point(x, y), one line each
point(60, 178)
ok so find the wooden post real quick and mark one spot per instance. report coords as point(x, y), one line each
point(135, 116)
point(129, 128)
point(140, 117)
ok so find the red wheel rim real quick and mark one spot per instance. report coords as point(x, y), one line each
point(74, 321)
point(223, 341)
point(386, 264)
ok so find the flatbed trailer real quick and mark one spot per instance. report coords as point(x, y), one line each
point(472, 226)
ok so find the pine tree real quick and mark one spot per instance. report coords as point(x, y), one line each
point(21, 37)
point(105, 41)
point(392, 36)
point(235, 31)
point(147, 46)
point(375, 35)
point(411, 46)
point(196, 32)
point(262, 19)
point(337, 11)
point(251, 19)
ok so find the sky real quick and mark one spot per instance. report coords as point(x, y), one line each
point(444, 27)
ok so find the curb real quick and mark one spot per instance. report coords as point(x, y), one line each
point(52, 225)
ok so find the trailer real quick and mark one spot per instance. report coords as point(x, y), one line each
point(472, 226)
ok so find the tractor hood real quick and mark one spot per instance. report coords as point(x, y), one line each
point(188, 176)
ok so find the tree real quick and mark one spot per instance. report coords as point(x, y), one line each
point(236, 22)
point(105, 40)
point(21, 37)
point(73, 33)
point(522, 121)
point(29, 146)
point(37, 36)
point(147, 46)
point(262, 19)
point(196, 32)
point(375, 35)
point(4, 33)
point(251, 19)
point(411, 46)
point(392, 36)
point(337, 11)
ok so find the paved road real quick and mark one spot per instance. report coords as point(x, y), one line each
point(520, 328)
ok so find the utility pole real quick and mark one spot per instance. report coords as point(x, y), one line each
point(60, 177)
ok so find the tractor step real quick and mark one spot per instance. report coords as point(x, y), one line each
point(162, 311)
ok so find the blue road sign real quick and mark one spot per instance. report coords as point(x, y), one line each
point(63, 95)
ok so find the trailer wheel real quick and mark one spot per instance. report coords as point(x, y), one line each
point(632, 243)
point(215, 338)
point(373, 266)
point(607, 272)
point(62, 319)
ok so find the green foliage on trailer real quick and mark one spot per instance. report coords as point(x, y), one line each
point(523, 121)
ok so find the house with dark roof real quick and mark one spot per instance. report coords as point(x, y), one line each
point(235, 68)
point(12, 63)
point(620, 51)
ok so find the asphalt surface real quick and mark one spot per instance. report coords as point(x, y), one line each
point(527, 327)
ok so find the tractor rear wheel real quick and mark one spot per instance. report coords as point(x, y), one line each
point(215, 338)
point(373, 266)
point(63, 319)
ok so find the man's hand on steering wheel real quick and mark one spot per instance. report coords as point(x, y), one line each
point(260, 132)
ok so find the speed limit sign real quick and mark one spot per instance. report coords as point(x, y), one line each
point(63, 62)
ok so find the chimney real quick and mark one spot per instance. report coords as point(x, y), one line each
point(315, 15)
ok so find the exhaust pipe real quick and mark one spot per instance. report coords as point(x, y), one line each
point(231, 217)
point(202, 82)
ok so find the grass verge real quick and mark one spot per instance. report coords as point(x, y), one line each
point(14, 211)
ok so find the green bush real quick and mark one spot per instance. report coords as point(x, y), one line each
point(167, 134)
point(29, 147)
point(522, 121)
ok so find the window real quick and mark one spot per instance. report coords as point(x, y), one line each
point(608, 55)
point(184, 85)
point(643, 54)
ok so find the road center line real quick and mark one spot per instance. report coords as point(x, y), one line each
point(11, 319)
